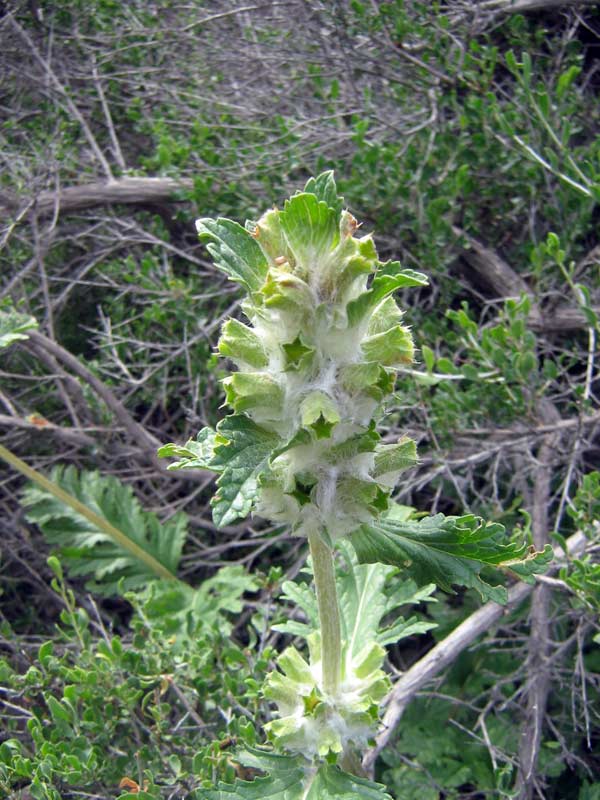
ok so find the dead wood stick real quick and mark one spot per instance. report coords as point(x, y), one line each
point(539, 645)
point(100, 193)
point(504, 281)
point(524, 6)
point(40, 424)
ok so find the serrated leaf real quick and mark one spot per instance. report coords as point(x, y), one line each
point(330, 783)
point(369, 377)
point(531, 563)
point(386, 316)
point(302, 596)
point(297, 354)
point(195, 454)
point(13, 326)
point(285, 291)
point(284, 777)
point(87, 549)
point(294, 778)
point(403, 628)
point(356, 496)
point(445, 550)
point(241, 455)
point(368, 593)
point(365, 442)
point(235, 251)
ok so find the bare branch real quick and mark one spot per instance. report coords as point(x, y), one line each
point(499, 275)
point(505, 282)
point(538, 675)
point(91, 195)
point(117, 152)
point(137, 432)
point(71, 435)
point(524, 6)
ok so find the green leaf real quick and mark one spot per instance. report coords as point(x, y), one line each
point(13, 326)
point(367, 594)
point(241, 344)
point(365, 442)
point(511, 62)
point(393, 347)
point(385, 317)
point(355, 496)
point(325, 190)
point(300, 595)
point(391, 459)
point(369, 377)
point(526, 65)
point(284, 777)
point(58, 710)
point(310, 228)
point(585, 510)
point(235, 251)
point(527, 364)
point(428, 357)
point(294, 778)
point(387, 281)
point(241, 454)
point(195, 454)
point(176, 609)
point(56, 567)
point(446, 550)
point(254, 391)
point(272, 241)
point(285, 291)
point(446, 366)
point(85, 549)
point(330, 783)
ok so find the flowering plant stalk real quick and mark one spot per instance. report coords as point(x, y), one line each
point(316, 363)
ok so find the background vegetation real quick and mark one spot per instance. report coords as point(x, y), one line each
point(466, 135)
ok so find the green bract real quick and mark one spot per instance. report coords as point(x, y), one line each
point(315, 365)
point(314, 724)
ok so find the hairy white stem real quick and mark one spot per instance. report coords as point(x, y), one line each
point(329, 614)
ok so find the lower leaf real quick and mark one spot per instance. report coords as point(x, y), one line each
point(447, 551)
point(294, 778)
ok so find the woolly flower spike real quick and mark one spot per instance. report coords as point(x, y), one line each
point(315, 362)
